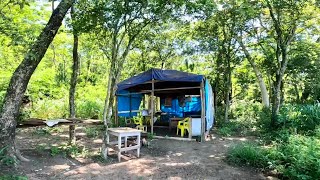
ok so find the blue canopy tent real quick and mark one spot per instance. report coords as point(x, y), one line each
point(168, 83)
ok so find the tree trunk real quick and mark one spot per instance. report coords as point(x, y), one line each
point(228, 93)
point(73, 82)
point(21, 76)
point(262, 84)
point(276, 101)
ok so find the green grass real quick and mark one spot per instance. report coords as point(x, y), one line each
point(247, 154)
point(296, 158)
point(13, 177)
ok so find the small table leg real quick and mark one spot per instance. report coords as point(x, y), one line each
point(119, 148)
point(125, 142)
point(138, 150)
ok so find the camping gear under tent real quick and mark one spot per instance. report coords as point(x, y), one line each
point(181, 94)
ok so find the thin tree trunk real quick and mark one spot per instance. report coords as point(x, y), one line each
point(296, 91)
point(228, 89)
point(73, 82)
point(21, 76)
point(262, 84)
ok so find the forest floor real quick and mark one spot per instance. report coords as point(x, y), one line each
point(162, 159)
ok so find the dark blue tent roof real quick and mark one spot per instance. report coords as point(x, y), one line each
point(161, 75)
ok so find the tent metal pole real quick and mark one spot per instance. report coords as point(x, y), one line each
point(130, 101)
point(202, 112)
point(170, 89)
point(152, 105)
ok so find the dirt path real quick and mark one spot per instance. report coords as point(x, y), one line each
point(163, 159)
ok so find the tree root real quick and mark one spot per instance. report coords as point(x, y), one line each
point(20, 157)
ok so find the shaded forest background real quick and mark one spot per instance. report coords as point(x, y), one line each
point(262, 58)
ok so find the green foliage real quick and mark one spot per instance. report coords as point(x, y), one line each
point(303, 118)
point(50, 108)
point(5, 159)
point(150, 136)
point(41, 131)
point(90, 109)
point(13, 177)
point(226, 130)
point(297, 159)
point(245, 119)
point(54, 150)
point(248, 154)
point(70, 150)
point(92, 132)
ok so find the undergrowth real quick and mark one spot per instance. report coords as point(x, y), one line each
point(292, 150)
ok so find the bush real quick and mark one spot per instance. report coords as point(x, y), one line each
point(299, 158)
point(50, 109)
point(296, 158)
point(248, 154)
point(302, 118)
point(243, 118)
point(246, 113)
point(92, 132)
point(13, 177)
point(90, 109)
point(5, 159)
point(71, 150)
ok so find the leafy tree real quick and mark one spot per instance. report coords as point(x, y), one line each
point(20, 78)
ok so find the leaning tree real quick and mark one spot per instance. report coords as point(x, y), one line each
point(20, 79)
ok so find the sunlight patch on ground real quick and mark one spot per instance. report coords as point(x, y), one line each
point(218, 156)
point(239, 139)
point(97, 141)
point(174, 178)
point(60, 167)
point(64, 135)
point(177, 154)
point(177, 164)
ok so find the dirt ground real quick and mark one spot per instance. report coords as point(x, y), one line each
point(162, 159)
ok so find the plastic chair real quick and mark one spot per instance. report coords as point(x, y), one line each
point(183, 126)
point(139, 123)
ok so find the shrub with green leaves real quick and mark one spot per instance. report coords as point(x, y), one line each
point(92, 132)
point(89, 109)
point(299, 158)
point(296, 158)
point(247, 154)
point(303, 118)
point(5, 159)
point(13, 177)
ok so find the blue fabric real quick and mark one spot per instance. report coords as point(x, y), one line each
point(124, 103)
point(209, 105)
point(158, 74)
point(175, 110)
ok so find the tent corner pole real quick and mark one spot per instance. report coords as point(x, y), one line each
point(152, 105)
point(202, 111)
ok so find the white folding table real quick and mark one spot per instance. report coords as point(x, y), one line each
point(122, 143)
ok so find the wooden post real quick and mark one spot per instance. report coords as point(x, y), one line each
point(202, 112)
point(152, 105)
point(190, 127)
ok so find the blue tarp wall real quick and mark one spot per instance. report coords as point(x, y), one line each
point(209, 105)
point(175, 110)
point(124, 103)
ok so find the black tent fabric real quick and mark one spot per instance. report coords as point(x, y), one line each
point(161, 75)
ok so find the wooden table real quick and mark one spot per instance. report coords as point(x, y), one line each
point(174, 122)
point(122, 144)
